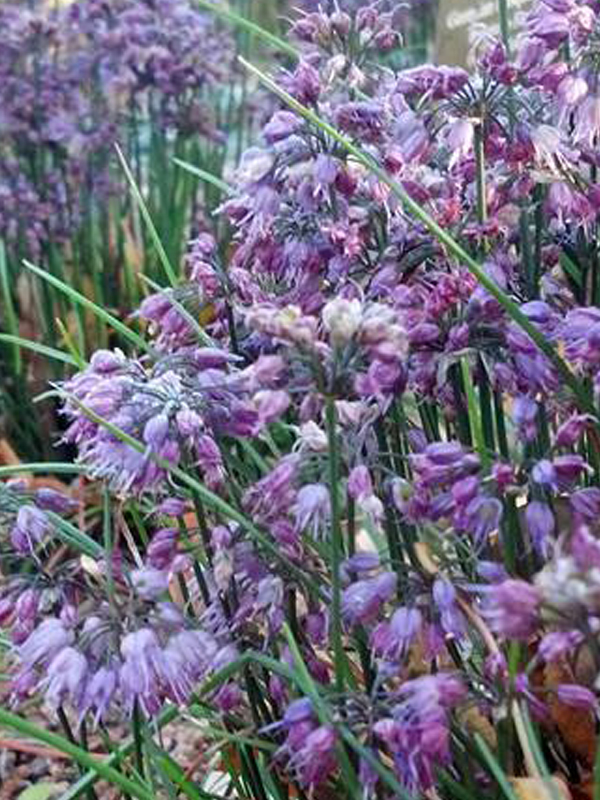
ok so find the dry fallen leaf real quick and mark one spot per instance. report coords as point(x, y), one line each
point(540, 788)
point(8, 457)
point(577, 728)
point(426, 558)
point(474, 721)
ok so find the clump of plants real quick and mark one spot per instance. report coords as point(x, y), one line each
point(342, 478)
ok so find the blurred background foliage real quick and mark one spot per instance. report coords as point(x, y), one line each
point(159, 78)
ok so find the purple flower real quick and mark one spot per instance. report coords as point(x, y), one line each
point(99, 692)
point(30, 529)
point(586, 502)
point(540, 524)
point(459, 137)
point(362, 600)
point(482, 517)
point(52, 500)
point(557, 645)
point(141, 671)
point(363, 119)
point(315, 761)
point(418, 736)
point(392, 639)
point(525, 411)
point(451, 618)
point(281, 125)
point(150, 582)
point(162, 548)
point(313, 509)
point(544, 473)
point(273, 495)
point(577, 696)
point(45, 642)
point(587, 121)
point(66, 678)
point(512, 609)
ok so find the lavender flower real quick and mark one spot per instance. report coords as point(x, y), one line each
point(512, 609)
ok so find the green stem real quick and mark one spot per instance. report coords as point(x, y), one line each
point(504, 25)
point(480, 176)
point(84, 759)
point(212, 500)
point(336, 545)
point(138, 738)
point(64, 721)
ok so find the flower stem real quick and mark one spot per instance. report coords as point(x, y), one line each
point(336, 545)
point(480, 174)
point(504, 25)
point(83, 758)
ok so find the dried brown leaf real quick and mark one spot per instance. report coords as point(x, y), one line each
point(474, 721)
point(576, 727)
point(541, 788)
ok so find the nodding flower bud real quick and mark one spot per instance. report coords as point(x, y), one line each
point(106, 362)
point(172, 507)
point(540, 524)
point(66, 678)
point(52, 500)
point(557, 645)
point(359, 483)
point(149, 582)
point(341, 319)
point(156, 431)
point(341, 23)
point(577, 696)
point(313, 509)
point(362, 600)
point(44, 642)
point(26, 605)
point(393, 639)
point(30, 528)
point(459, 138)
point(572, 430)
point(586, 502)
point(271, 404)
point(282, 125)
point(512, 609)
point(525, 411)
point(315, 760)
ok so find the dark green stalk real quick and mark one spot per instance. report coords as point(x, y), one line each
point(137, 723)
point(485, 406)
point(480, 171)
point(203, 526)
point(336, 545)
point(351, 513)
point(462, 425)
point(239, 21)
point(100, 768)
point(529, 267)
point(71, 737)
point(500, 426)
point(108, 551)
point(504, 25)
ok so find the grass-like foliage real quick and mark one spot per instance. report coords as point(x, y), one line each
point(335, 491)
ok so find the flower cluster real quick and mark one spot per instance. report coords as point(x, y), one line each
point(379, 473)
point(77, 78)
